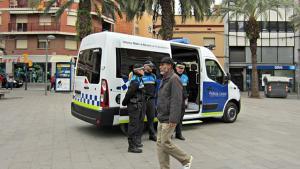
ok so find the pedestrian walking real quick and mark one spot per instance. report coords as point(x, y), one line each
point(180, 67)
point(169, 115)
point(10, 82)
point(149, 80)
point(52, 82)
point(134, 99)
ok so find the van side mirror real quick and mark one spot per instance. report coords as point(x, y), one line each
point(227, 78)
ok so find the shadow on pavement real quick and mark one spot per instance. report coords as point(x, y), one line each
point(105, 132)
point(11, 98)
point(115, 131)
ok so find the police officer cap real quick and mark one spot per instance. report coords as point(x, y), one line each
point(167, 60)
point(149, 63)
point(180, 64)
point(138, 67)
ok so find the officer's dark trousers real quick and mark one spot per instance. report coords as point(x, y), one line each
point(150, 113)
point(179, 125)
point(136, 123)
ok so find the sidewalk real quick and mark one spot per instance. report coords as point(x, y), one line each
point(39, 132)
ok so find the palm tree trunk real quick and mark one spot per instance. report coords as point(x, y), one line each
point(84, 20)
point(254, 81)
point(252, 31)
point(167, 19)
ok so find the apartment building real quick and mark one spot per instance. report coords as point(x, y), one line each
point(24, 29)
point(276, 51)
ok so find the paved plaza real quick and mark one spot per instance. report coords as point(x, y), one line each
point(39, 132)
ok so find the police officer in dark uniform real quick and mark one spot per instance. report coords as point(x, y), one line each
point(149, 80)
point(134, 99)
point(180, 67)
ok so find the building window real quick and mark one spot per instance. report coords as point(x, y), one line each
point(21, 44)
point(71, 44)
point(289, 27)
point(71, 20)
point(44, 20)
point(42, 43)
point(240, 26)
point(237, 55)
point(273, 27)
point(281, 26)
point(285, 55)
point(0, 19)
point(232, 27)
point(264, 26)
point(269, 55)
point(209, 42)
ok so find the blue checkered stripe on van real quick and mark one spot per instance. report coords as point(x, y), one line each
point(125, 84)
point(88, 99)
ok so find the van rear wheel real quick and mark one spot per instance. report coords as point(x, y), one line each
point(230, 113)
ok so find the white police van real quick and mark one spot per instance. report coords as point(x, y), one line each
point(102, 69)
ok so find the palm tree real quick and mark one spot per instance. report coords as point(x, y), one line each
point(84, 17)
point(189, 8)
point(296, 17)
point(251, 10)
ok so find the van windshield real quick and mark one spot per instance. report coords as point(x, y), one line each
point(89, 63)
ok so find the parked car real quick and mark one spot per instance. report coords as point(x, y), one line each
point(16, 83)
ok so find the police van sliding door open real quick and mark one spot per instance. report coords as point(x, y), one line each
point(126, 58)
point(189, 57)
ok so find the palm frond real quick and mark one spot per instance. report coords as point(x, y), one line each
point(64, 6)
point(50, 3)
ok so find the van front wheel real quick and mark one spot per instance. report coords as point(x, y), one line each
point(230, 113)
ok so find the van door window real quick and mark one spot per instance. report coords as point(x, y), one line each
point(89, 63)
point(126, 58)
point(214, 72)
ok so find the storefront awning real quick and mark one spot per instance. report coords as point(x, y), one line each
point(60, 58)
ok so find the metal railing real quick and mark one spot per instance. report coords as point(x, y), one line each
point(32, 27)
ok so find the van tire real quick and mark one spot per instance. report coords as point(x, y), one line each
point(230, 113)
point(124, 128)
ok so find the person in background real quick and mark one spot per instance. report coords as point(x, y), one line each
point(52, 82)
point(149, 80)
point(169, 114)
point(180, 67)
point(134, 100)
point(10, 81)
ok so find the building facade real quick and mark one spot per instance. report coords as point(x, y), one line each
point(209, 33)
point(276, 50)
point(24, 29)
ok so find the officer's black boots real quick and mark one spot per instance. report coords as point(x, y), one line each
point(138, 142)
point(133, 148)
point(180, 137)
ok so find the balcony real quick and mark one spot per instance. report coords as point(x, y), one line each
point(34, 27)
point(26, 4)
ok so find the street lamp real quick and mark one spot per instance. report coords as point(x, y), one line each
point(49, 37)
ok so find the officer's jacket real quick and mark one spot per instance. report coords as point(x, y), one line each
point(169, 99)
point(149, 80)
point(135, 92)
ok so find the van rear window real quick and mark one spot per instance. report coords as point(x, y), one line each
point(89, 64)
point(126, 58)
